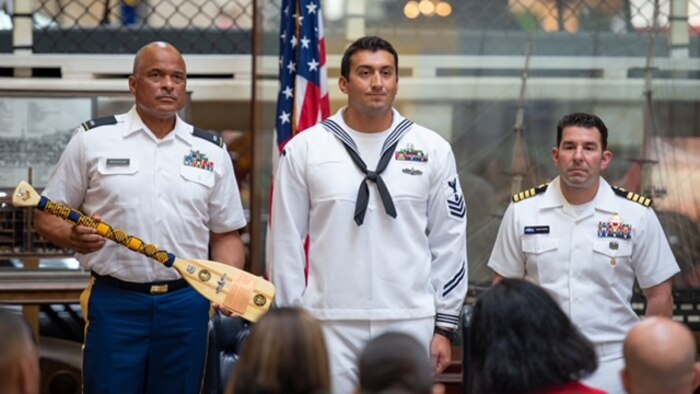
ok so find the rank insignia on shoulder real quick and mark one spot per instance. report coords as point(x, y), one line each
point(93, 123)
point(530, 192)
point(632, 196)
point(208, 136)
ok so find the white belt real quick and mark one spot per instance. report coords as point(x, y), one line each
point(608, 348)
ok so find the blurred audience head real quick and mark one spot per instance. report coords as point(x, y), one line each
point(285, 354)
point(19, 355)
point(660, 358)
point(395, 363)
point(522, 342)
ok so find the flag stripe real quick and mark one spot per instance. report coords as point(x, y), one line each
point(303, 90)
point(303, 99)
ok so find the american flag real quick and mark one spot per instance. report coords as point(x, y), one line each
point(302, 100)
point(303, 92)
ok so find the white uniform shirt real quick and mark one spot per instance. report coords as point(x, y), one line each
point(408, 267)
point(170, 192)
point(590, 274)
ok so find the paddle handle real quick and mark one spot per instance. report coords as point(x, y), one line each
point(105, 230)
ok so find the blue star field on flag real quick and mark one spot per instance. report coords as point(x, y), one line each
point(303, 90)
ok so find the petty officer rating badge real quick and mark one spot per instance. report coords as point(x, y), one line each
point(198, 159)
point(411, 154)
point(615, 228)
point(456, 206)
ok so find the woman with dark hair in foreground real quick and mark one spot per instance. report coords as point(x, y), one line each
point(522, 343)
point(285, 354)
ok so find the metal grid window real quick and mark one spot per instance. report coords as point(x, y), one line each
point(123, 26)
point(221, 26)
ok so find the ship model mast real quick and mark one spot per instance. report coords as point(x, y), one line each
point(520, 166)
point(647, 186)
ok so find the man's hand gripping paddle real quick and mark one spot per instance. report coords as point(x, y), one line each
point(234, 290)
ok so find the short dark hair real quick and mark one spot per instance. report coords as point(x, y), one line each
point(395, 362)
point(369, 43)
point(582, 119)
point(522, 342)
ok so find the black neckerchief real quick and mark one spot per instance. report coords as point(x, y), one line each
point(387, 151)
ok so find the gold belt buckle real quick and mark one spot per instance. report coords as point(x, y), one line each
point(159, 289)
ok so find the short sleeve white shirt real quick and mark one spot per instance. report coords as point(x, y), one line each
point(589, 270)
point(170, 192)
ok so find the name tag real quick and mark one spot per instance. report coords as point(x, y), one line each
point(536, 229)
point(118, 162)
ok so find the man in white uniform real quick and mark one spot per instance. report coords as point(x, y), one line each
point(154, 176)
point(586, 242)
point(391, 256)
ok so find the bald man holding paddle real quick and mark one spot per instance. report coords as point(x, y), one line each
point(152, 174)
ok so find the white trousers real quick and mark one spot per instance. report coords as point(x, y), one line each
point(607, 376)
point(346, 339)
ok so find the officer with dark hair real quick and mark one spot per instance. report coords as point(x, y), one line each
point(586, 242)
point(379, 198)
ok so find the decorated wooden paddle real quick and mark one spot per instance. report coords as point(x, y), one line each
point(234, 290)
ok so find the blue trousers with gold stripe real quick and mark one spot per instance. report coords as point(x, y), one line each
point(140, 343)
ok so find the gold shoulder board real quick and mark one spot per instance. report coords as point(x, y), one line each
point(638, 198)
point(530, 192)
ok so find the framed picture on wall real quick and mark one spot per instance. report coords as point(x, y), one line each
point(33, 133)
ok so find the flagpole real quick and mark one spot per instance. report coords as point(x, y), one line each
point(259, 194)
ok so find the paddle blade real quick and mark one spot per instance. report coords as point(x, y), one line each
point(235, 290)
point(25, 196)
